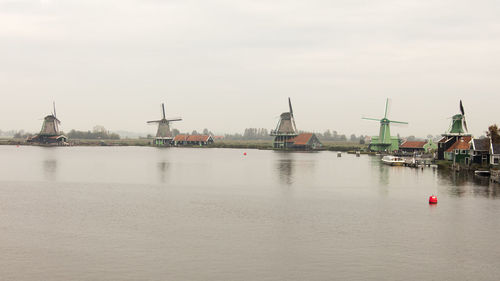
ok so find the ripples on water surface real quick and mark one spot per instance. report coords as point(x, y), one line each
point(140, 213)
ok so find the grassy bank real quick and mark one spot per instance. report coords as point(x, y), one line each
point(267, 144)
point(344, 146)
point(12, 141)
point(121, 142)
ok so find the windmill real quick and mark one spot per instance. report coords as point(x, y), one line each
point(50, 134)
point(163, 134)
point(384, 142)
point(285, 129)
point(458, 123)
point(50, 126)
point(456, 133)
point(286, 124)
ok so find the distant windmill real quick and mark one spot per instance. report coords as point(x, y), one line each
point(286, 124)
point(457, 132)
point(50, 126)
point(285, 129)
point(163, 134)
point(50, 134)
point(458, 123)
point(384, 141)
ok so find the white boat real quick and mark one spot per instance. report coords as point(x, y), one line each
point(393, 160)
point(482, 173)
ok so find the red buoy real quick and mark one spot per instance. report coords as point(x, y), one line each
point(433, 199)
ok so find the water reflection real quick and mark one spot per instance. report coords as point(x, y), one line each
point(383, 177)
point(291, 167)
point(50, 169)
point(285, 169)
point(163, 168)
point(461, 184)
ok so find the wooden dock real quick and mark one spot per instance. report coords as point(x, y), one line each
point(418, 162)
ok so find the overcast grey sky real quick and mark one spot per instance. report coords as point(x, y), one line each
point(227, 65)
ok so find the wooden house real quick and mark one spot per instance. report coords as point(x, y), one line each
point(459, 152)
point(480, 151)
point(495, 154)
point(191, 140)
point(413, 147)
point(418, 147)
point(444, 144)
point(304, 141)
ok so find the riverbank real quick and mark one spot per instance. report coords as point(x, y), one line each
point(245, 144)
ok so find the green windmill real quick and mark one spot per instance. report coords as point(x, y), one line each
point(384, 142)
point(458, 123)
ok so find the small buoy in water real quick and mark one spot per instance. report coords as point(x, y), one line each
point(339, 154)
point(433, 199)
point(244, 153)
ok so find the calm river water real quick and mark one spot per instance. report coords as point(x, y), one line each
point(142, 213)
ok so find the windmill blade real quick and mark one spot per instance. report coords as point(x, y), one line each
point(163, 109)
point(54, 104)
point(462, 108)
point(386, 107)
point(373, 119)
point(155, 121)
point(398, 122)
point(291, 114)
point(465, 125)
point(294, 126)
point(174, 119)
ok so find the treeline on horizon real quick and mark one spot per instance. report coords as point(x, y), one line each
point(99, 132)
point(263, 134)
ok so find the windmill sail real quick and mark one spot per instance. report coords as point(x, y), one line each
point(291, 114)
point(463, 116)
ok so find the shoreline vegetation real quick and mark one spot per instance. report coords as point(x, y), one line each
point(343, 146)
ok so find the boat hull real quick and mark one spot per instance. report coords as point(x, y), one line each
point(393, 161)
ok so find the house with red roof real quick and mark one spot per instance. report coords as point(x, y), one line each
point(304, 141)
point(200, 140)
point(418, 147)
point(459, 152)
point(413, 146)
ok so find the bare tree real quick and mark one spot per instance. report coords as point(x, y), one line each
point(493, 133)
